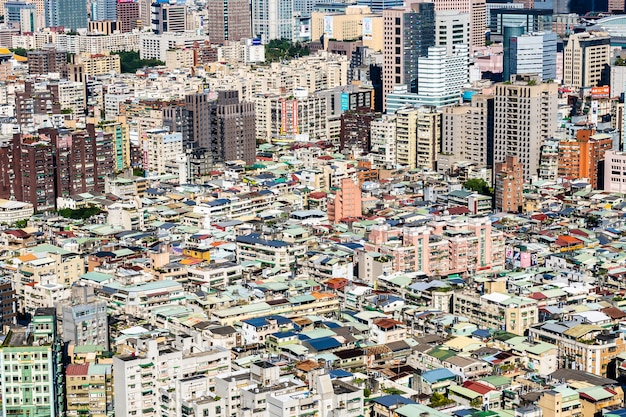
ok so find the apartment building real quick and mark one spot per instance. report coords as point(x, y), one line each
point(497, 311)
point(98, 64)
point(383, 142)
point(89, 389)
point(139, 299)
point(278, 255)
point(345, 202)
point(585, 347)
point(31, 360)
point(160, 147)
point(524, 116)
point(84, 319)
point(418, 137)
point(509, 185)
point(582, 156)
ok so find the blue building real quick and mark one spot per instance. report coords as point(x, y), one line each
point(70, 14)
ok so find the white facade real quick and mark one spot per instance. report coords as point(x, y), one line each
point(452, 28)
point(534, 53)
point(156, 46)
point(12, 211)
point(383, 140)
point(160, 146)
point(72, 96)
point(273, 19)
point(442, 76)
point(615, 171)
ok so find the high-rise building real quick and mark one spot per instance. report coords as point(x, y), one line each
point(345, 202)
point(532, 53)
point(442, 75)
point(272, 19)
point(408, 33)
point(31, 360)
point(105, 10)
point(533, 20)
point(127, 12)
point(355, 130)
point(582, 157)
point(467, 133)
point(586, 57)
point(168, 17)
point(524, 116)
point(12, 10)
point(476, 9)
point(8, 303)
point(615, 171)
point(47, 61)
point(418, 137)
point(378, 6)
point(228, 20)
point(509, 32)
point(70, 14)
point(509, 181)
point(452, 28)
point(383, 142)
point(33, 168)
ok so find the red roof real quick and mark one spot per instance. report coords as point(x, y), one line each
point(325, 158)
point(539, 217)
point(317, 195)
point(537, 296)
point(387, 323)
point(482, 389)
point(458, 210)
point(75, 369)
point(565, 240)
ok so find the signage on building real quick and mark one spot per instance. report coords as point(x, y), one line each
point(328, 26)
point(368, 31)
point(601, 92)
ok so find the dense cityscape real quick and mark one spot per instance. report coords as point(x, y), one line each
point(312, 208)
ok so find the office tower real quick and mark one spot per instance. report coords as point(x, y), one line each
point(306, 7)
point(127, 12)
point(272, 19)
point(377, 6)
point(31, 360)
point(509, 181)
point(452, 28)
point(408, 34)
point(46, 61)
point(533, 20)
point(168, 17)
point(442, 75)
point(70, 14)
point(12, 10)
point(29, 21)
point(510, 32)
point(105, 10)
point(467, 132)
point(586, 57)
point(228, 20)
point(476, 9)
point(532, 53)
point(85, 319)
point(225, 126)
point(525, 115)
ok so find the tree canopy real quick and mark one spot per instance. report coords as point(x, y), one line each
point(277, 50)
point(130, 61)
point(478, 185)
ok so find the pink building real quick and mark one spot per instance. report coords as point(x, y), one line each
point(457, 245)
point(345, 202)
point(615, 171)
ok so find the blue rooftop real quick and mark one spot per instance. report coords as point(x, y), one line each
point(437, 375)
point(392, 400)
point(339, 373)
point(483, 334)
point(262, 321)
point(324, 343)
point(255, 238)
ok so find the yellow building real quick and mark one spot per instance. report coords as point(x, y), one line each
point(89, 390)
point(560, 402)
point(98, 64)
point(357, 23)
point(179, 58)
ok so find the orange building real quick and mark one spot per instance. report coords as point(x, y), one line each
point(579, 158)
point(509, 184)
point(345, 202)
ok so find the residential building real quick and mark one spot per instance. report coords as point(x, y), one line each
point(160, 147)
point(89, 389)
point(8, 303)
point(228, 20)
point(582, 157)
point(524, 116)
point(13, 211)
point(614, 171)
point(586, 57)
point(418, 137)
point(498, 311)
point(98, 64)
point(345, 203)
point(32, 382)
point(275, 254)
point(47, 61)
point(85, 319)
point(383, 141)
point(509, 183)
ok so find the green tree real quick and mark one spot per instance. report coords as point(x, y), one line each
point(367, 392)
point(476, 402)
point(79, 214)
point(279, 49)
point(20, 224)
point(19, 51)
point(130, 61)
point(478, 185)
point(439, 400)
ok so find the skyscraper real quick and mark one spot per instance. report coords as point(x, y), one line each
point(510, 32)
point(477, 11)
point(272, 19)
point(70, 14)
point(586, 56)
point(228, 20)
point(128, 15)
point(442, 75)
point(524, 116)
point(452, 28)
point(532, 53)
point(168, 17)
point(105, 10)
point(377, 6)
point(408, 33)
